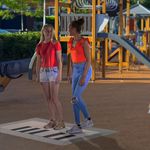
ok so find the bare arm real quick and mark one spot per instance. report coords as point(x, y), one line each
point(69, 73)
point(69, 66)
point(88, 62)
point(38, 64)
point(88, 58)
point(59, 60)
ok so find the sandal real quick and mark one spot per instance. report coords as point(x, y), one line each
point(51, 124)
point(59, 125)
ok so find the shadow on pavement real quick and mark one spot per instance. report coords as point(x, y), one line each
point(100, 143)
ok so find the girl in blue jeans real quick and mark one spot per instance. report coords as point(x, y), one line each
point(79, 49)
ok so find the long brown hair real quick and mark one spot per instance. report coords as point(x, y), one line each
point(47, 26)
point(77, 24)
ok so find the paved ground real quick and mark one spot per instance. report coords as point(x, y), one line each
point(119, 106)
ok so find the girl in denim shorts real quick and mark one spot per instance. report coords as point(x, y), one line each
point(49, 74)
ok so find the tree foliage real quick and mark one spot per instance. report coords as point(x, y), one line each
point(25, 7)
point(146, 3)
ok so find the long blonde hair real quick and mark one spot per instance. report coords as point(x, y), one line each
point(47, 26)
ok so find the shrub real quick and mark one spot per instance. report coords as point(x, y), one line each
point(20, 45)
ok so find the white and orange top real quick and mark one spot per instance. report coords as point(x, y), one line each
point(77, 52)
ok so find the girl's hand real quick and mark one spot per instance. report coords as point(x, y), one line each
point(82, 81)
point(59, 78)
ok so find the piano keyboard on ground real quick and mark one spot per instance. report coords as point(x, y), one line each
point(33, 129)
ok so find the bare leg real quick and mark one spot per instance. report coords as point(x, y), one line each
point(57, 103)
point(51, 106)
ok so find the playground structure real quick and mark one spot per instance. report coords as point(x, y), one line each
point(128, 43)
point(118, 40)
point(12, 70)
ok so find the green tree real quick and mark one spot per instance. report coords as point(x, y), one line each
point(21, 7)
point(146, 3)
point(27, 7)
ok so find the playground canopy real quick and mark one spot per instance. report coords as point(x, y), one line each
point(139, 10)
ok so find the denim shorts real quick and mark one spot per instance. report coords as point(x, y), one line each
point(48, 74)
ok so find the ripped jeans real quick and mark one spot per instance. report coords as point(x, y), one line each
point(77, 90)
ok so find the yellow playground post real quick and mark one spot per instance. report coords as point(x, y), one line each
point(93, 36)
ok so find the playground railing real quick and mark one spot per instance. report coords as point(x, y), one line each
point(66, 19)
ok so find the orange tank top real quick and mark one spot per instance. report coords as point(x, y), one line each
point(77, 51)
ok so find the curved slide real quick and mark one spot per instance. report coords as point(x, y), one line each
point(111, 5)
point(127, 45)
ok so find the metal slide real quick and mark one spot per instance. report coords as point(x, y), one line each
point(127, 45)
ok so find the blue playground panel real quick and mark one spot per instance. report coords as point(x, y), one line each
point(14, 68)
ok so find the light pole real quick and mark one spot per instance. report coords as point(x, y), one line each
point(44, 12)
point(22, 16)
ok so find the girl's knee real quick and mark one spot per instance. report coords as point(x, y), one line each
point(49, 99)
point(55, 100)
point(75, 100)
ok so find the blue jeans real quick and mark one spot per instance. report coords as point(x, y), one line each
point(77, 90)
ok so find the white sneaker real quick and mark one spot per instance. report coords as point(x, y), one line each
point(87, 124)
point(74, 130)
